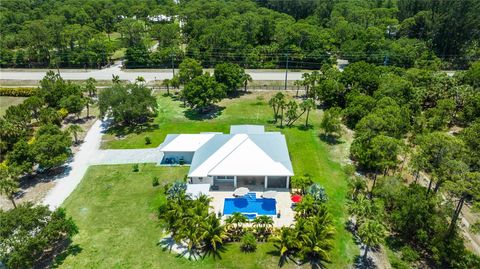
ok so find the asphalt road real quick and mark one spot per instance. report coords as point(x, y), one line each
point(131, 74)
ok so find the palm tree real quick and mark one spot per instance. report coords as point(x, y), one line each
point(372, 233)
point(205, 200)
point(287, 244)
point(236, 219)
point(277, 102)
point(172, 214)
point(115, 79)
point(262, 223)
point(246, 78)
point(91, 90)
point(90, 87)
point(166, 83)
point(140, 79)
point(302, 183)
point(307, 207)
point(363, 209)
point(298, 83)
point(74, 129)
point(213, 235)
point(317, 239)
point(306, 106)
point(356, 186)
point(9, 184)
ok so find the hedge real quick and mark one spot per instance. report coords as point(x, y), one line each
point(21, 91)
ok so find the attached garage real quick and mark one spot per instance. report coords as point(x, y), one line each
point(171, 158)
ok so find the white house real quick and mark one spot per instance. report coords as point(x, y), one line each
point(247, 157)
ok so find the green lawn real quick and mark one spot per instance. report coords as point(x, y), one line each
point(6, 101)
point(115, 208)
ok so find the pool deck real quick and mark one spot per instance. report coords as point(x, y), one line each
point(284, 205)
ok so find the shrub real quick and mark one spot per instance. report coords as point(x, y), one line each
point(148, 141)
point(18, 92)
point(62, 113)
point(176, 190)
point(409, 254)
point(155, 181)
point(248, 242)
point(318, 193)
point(135, 167)
point(399, 264)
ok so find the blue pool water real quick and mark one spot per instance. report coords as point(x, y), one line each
point(250, 206)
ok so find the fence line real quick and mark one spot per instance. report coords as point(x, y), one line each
point(249, 88)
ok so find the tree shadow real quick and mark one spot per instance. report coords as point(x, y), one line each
point(30, 180)
point(123, 130)
point(168, 244)
point(305, 128)
point(72, 119)
point(72, 250)
point(208, 113)
point(215, 253)
point(331, 139)
point(238, 94)
point(395, 244)
point(361, 263)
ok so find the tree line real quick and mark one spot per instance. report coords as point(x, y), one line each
point(408, 123)
point(31, 133)
point(34, 141)
point(253, 34)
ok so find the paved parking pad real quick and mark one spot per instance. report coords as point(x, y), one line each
point(126, 156)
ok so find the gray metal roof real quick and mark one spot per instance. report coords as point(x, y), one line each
point(167, 140)
point(273, 144)
point(247, 129)
point(208, 149)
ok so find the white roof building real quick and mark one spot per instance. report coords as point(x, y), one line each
point(247, 157)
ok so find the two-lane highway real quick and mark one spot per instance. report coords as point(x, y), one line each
point(131, 74)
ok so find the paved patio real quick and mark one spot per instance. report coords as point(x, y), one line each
point(284, 206)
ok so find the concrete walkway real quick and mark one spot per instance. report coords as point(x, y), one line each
point(90, 154)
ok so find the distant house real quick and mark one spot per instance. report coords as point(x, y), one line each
point(247, 157)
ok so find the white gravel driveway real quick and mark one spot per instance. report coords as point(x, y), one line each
point(90, 154)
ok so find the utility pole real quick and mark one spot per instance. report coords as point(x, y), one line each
point(173, 66)
point(286, 71)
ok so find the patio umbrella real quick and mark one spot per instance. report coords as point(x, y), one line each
point(241, 191)
point(269, 194)
point(296, 198)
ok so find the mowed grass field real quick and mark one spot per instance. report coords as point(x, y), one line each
point(115, 208)
point(6, 101)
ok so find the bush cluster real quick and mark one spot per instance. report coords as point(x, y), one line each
point(18, 92)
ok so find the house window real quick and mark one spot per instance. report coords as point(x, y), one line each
point(224, 177)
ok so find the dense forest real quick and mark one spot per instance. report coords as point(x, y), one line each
point(431, 34)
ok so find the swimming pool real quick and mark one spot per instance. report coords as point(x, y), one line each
point(250, 206)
